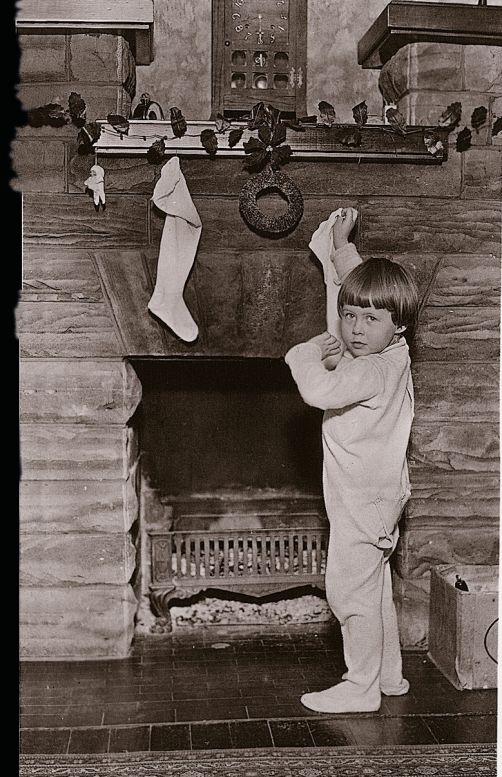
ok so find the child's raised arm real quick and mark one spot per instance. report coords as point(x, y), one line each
point(343, 226)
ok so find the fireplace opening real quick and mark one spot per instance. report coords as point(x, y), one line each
point(231, 489)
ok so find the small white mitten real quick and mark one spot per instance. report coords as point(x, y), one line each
point(96, 184)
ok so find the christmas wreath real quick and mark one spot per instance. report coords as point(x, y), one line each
point(271, 180)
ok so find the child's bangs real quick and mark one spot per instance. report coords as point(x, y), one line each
point(367, 292)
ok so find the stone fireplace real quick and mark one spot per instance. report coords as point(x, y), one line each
point(122, 424)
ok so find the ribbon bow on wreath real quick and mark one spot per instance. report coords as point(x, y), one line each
point(266, 154)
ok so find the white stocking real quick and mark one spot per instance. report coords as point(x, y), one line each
point(178, 247)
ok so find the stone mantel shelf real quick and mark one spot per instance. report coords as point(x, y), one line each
point(405, 21)
point(378, 142)
point(134, 16)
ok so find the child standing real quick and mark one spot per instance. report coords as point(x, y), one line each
point(363, 384)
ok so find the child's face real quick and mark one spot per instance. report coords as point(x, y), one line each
point(367, 330)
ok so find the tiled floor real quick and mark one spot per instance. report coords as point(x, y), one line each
point(214, 688)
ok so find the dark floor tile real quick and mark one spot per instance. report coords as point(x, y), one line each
point(83, 716)
point(463, 728)
point(210, 736)
point(203, 693)
point(122, 694)
point(164, 713)
point(173, 737)
point(375, 730)
point(196, 653)
point(252, 733)
point(270, 711)
point(44, 741)
point(260, 691)
point(155, 715)
point(439, 702)
point(43, 709)
point(220, 710)
point(265, 702)
point(476, 701)
point(129, 739)
point(151, 693)
point(269, 674)
point(154, 704)
point(41, 721)
point(89, 740)
point(291, 733)
point(331, 733)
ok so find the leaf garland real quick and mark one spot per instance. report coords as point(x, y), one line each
point(178, 123)
point(54, 115)
point(451, 116)
point(360, 113)
point(478, 117)
point(221, 123)
point(234, 136)
point(267, 148)
point(396, 120)
point(89, 134)
point(464, 139)
point(76, 109)
point(497, 126)
point(327, 113)
point(156, 152)
point(209, 141)
point(119, 123)
point(50, 115)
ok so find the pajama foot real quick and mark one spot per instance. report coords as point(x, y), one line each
point(341, 698)
point(396, 690)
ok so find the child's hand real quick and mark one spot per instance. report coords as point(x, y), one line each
point(331, 349)
point(343, 226)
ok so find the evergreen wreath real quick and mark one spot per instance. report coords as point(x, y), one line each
point(274, 180)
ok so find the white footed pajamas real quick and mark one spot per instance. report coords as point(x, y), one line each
point(368, 404)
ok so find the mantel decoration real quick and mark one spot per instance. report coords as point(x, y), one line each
point(270, 180)
point(268, 151)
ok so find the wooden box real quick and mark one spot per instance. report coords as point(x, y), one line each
point(463, 625)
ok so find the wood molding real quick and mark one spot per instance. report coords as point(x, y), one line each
point(377, 141)
point(403, 22)
point(91, 15)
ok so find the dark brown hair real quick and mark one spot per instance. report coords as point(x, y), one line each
point(382, 283)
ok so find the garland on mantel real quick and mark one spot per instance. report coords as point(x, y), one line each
point(267, 152)
point(260, 117)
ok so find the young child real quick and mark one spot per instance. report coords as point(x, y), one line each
point(363, 384)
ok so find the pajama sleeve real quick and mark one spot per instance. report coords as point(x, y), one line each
point(353, 381)
point(344, 260)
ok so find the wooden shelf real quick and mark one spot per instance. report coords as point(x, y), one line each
point(91, 15)
point(403, 22)
point(378, 142)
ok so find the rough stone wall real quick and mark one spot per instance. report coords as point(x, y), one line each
point(88, 277)
point(78, 495)
point(453, 516)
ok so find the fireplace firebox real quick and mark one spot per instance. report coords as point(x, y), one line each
point(231, 467)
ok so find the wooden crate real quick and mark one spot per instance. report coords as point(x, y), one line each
point(463, 625)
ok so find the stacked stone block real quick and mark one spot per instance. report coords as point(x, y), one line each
point(78, 491)
point(453, 515)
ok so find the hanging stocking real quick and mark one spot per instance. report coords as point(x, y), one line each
point(178, 246)
point(322, 246)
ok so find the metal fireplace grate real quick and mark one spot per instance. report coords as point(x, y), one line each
point(255, 562)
